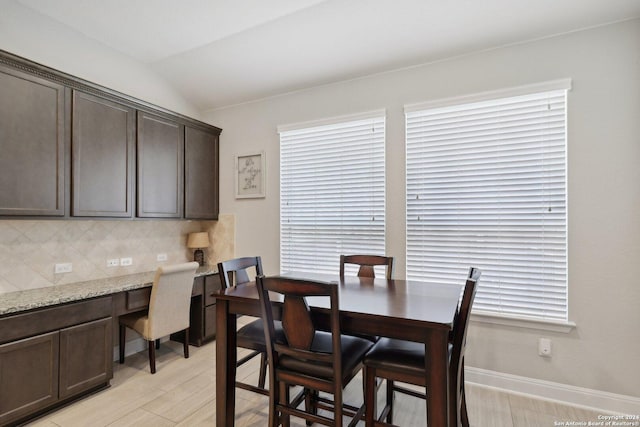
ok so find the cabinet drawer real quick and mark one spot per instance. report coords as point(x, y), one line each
point(211, 284)
point(138, 298)
point(198, 286)
point(49, 319)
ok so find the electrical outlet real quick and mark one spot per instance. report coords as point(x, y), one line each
point(161, 257)
point(544, 347)
point(66, 267)
point(113, 262)
point(126, 261)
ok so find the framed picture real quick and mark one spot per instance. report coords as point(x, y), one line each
point(250, 175)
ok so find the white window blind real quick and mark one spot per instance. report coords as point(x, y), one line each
point(332, 193)
point(486, 187)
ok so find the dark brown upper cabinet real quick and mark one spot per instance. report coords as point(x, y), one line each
point(32, 138)
point(103, 143)
point(160, 167)
point(201, 175)
point(72, 148)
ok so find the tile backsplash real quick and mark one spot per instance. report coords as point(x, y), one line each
point(29, 249)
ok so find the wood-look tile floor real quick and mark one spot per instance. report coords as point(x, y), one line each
point(182, 393)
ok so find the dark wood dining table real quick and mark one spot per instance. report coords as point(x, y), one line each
point(404, 309)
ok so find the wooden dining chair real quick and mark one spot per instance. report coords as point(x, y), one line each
point(404, 361)
point(169, 308)
point(367, 264)
point(318, 361)
point(251, 336)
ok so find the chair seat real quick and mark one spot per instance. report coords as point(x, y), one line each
point(252, 335)
point(353, 350)
point(139, 322)
point(398, 355)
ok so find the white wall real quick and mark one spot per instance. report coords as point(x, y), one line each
point(604, 188)
point(31, 35)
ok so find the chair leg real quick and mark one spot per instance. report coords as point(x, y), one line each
point(263, 370)
point(185, 344)
point(390, 401)
point(158, 344)
point(152, 356)
point(122, 337)
point(370, 396)
point(464, 416)
point(285, 419)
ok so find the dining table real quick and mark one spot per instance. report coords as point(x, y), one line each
point(404, 309)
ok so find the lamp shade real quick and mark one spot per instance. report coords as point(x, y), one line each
point(198, 240)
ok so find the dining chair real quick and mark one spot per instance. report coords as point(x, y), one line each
point(318, 361)
point(367, 264)
point(168, 312)
point(404, 361)
point(251, 336)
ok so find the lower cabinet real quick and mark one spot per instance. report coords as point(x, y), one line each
point(202, 324)
point(40, 370)
point(28, 376)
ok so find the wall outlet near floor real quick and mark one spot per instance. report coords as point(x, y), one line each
point(113, 262)
point(126, 261)
point(65, 267)
point(544, 347)
point(161, 257)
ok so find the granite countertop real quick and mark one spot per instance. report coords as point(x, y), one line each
point(14, 302)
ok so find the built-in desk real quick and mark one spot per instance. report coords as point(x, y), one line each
point(56, 343)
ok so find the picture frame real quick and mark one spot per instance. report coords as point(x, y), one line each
point(250, 170)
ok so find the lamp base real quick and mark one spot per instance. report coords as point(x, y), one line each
point(198, 256)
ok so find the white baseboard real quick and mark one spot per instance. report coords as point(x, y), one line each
point(134, 346)
point(578, 396)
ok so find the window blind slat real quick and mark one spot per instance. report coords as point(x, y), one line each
point(332, 194)
point(486, 187)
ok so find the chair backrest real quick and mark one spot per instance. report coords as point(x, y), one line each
point(297, 323)
point(461, 320)
point(367, 263)
point(235, 271)
point(170, 300)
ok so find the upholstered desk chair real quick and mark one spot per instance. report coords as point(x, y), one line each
point(168, 310)
point(315, 360)
point(404, 361)
point(367, 264)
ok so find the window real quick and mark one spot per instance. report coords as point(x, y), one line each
point(486, 187)
point(332, 192)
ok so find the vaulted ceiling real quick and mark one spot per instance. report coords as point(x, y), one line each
point(223, 52)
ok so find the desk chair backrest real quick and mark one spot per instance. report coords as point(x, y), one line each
point(170, 300)
point(367, 264)
point(236, 271)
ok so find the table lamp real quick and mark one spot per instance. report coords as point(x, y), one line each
point(198, 241)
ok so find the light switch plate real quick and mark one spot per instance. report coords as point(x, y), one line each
point(126, 261)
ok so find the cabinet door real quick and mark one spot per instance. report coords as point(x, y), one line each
point(160, 167)
point(103, 150)
point(32, 133)
point(86, 356)
point(201, 150)
point(28, 376)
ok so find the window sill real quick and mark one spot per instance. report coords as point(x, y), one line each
point(523, 322)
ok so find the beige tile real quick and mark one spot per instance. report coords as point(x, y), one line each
point(142, 418)
point(182, 393)
point(487, 407)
